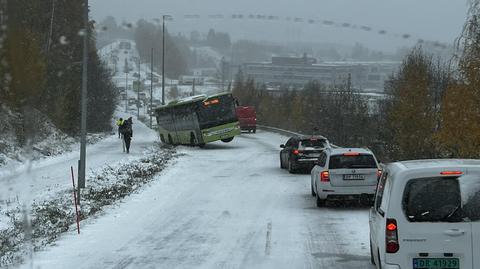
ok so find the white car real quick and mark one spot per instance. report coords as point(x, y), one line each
point(427, 215)
point(344, 173)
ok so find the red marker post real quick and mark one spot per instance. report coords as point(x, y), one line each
point(75, 201)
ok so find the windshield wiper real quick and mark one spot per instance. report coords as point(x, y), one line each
point(451, 214)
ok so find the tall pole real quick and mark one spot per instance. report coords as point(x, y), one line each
point(126, 90)
point(223, 74)
point(83, 127)
point(163, 60)
point(138, 89)
point(151, 88)
point(193, 87)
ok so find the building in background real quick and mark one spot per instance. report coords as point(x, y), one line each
point(297, 71)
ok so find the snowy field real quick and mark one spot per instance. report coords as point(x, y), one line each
point(225, 206)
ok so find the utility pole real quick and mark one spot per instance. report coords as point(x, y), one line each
point(151, 88)
point(83, 127)
point(125, 70)
point(193, 87)
point(223, 73)
point(163, 60)
point(138, 89)
point(126, 90)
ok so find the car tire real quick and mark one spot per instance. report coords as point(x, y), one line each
point(313, 191)
point(320, 202)
point(379, 262)
point(192, 139)
point(291, 168)
point(372, 258)
point(254, 130)
point(281, 162)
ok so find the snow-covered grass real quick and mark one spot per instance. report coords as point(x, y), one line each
point(45, 140)
point(55, 215)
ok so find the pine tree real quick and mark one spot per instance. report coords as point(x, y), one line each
point(27, 69)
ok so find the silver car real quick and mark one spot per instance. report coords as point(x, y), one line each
point(345, 173)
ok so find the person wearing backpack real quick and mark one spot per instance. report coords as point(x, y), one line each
point(127, 133)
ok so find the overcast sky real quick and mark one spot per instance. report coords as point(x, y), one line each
point(436, 20)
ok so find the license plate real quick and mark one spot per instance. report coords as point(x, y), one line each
point(353, 177)
point(440, 263)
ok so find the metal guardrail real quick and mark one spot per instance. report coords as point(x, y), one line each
point(277, 130)
point(284, 132)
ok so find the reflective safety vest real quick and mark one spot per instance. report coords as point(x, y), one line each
point(120, 122)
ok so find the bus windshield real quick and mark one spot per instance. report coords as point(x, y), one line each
point(216, 111)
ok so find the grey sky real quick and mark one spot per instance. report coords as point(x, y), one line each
point(436, 20)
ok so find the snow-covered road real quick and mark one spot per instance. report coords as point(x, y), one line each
point(225, 206)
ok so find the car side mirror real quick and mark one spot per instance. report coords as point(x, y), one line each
point(282, 146)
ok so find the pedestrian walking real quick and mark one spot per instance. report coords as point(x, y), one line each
point(127, 133)
point(119, 124)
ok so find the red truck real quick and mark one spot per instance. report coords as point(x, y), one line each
point(247, 118)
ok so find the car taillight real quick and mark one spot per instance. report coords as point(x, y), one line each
point(451, 173)
point(296, 151)
point(379, 174)
point(324, 176)
point(391, 236)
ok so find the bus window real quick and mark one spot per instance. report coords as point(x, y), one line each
point(216, 111)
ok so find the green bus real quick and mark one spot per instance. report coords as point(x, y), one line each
point(198, 120)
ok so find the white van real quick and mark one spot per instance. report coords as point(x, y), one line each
point(427, 215)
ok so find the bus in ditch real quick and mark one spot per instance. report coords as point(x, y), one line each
point(198, 120)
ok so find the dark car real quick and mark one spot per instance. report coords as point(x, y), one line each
point(301, 152)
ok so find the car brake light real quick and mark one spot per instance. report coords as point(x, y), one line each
point(351, 154)
point(451, 173)
point(296, 151)
point(391, 236)
point(379, 174)
point(324, 176)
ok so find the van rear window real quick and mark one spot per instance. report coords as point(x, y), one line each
point(439, 199)
point(352, 161)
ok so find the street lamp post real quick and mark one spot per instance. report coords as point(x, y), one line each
point(163, 58)
point(138, 88)
point(83, 124)
point(151, 89)
point(126, 90)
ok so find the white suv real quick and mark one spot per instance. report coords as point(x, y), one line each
point(344, 173)
point(427, 215)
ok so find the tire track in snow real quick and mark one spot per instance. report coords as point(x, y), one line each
point(268, 243)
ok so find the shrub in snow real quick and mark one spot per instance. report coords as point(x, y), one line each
point(51, 218)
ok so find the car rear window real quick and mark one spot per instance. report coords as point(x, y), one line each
point(313, 143)
point(439, 199)
point(352, 161)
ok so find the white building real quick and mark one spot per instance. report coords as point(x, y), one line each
point(299, 71)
